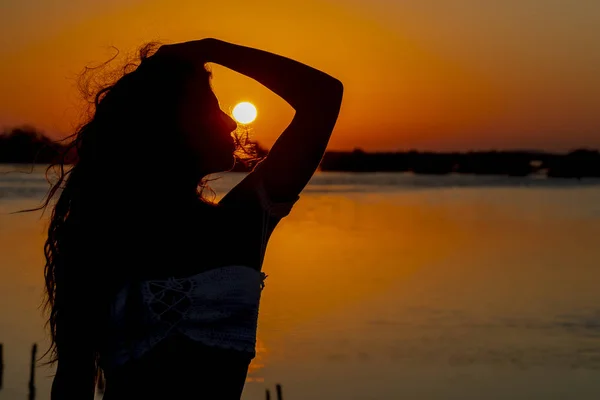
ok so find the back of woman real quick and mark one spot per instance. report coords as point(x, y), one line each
point(148, 281)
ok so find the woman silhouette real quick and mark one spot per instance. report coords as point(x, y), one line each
point(146, 280)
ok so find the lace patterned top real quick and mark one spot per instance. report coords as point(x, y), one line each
point(217, 307)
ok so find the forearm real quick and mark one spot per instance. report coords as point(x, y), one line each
point(298, 84)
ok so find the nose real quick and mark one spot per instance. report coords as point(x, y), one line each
point(230, 123)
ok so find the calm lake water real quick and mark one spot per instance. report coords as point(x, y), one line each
point(387, 286)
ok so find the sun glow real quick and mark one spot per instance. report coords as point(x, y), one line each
point(244, 112)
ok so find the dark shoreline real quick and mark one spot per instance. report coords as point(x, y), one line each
point(581, 163)
point(28, 146)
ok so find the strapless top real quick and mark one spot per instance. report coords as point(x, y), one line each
point(217, 308)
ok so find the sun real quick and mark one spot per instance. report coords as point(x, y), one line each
point(244, 112)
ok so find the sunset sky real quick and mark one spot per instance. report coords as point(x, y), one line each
point(424, 74)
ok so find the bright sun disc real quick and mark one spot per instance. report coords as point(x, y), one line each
point(244, 112)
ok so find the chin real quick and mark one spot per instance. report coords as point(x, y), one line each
point(227, 163)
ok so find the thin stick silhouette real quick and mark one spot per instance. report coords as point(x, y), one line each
point(32, 373)
point(1, 365)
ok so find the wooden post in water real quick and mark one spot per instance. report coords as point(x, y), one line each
point(268, 394)
point(32, 373)
point(1, 365)
point(279, 394)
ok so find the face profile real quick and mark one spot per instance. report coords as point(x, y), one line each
point(206, 128)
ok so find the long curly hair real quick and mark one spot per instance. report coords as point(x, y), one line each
point(127, 156)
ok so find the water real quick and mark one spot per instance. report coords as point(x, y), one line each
point(388, 286)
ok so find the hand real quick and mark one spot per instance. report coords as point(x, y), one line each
point(195, 51)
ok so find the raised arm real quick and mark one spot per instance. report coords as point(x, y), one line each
point(315, 96)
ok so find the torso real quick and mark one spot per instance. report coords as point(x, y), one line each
point(208, 239)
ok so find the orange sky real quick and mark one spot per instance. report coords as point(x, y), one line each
point(425, 74)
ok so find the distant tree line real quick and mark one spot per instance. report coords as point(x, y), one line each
point(27, 145)
point(576, 164)
point(425, 162)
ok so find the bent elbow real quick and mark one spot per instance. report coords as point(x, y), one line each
point(332, 93)
point(337, 89)
point(324, 94)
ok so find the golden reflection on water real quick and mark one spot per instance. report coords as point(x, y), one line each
point(324, 258)
point(333, 252)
